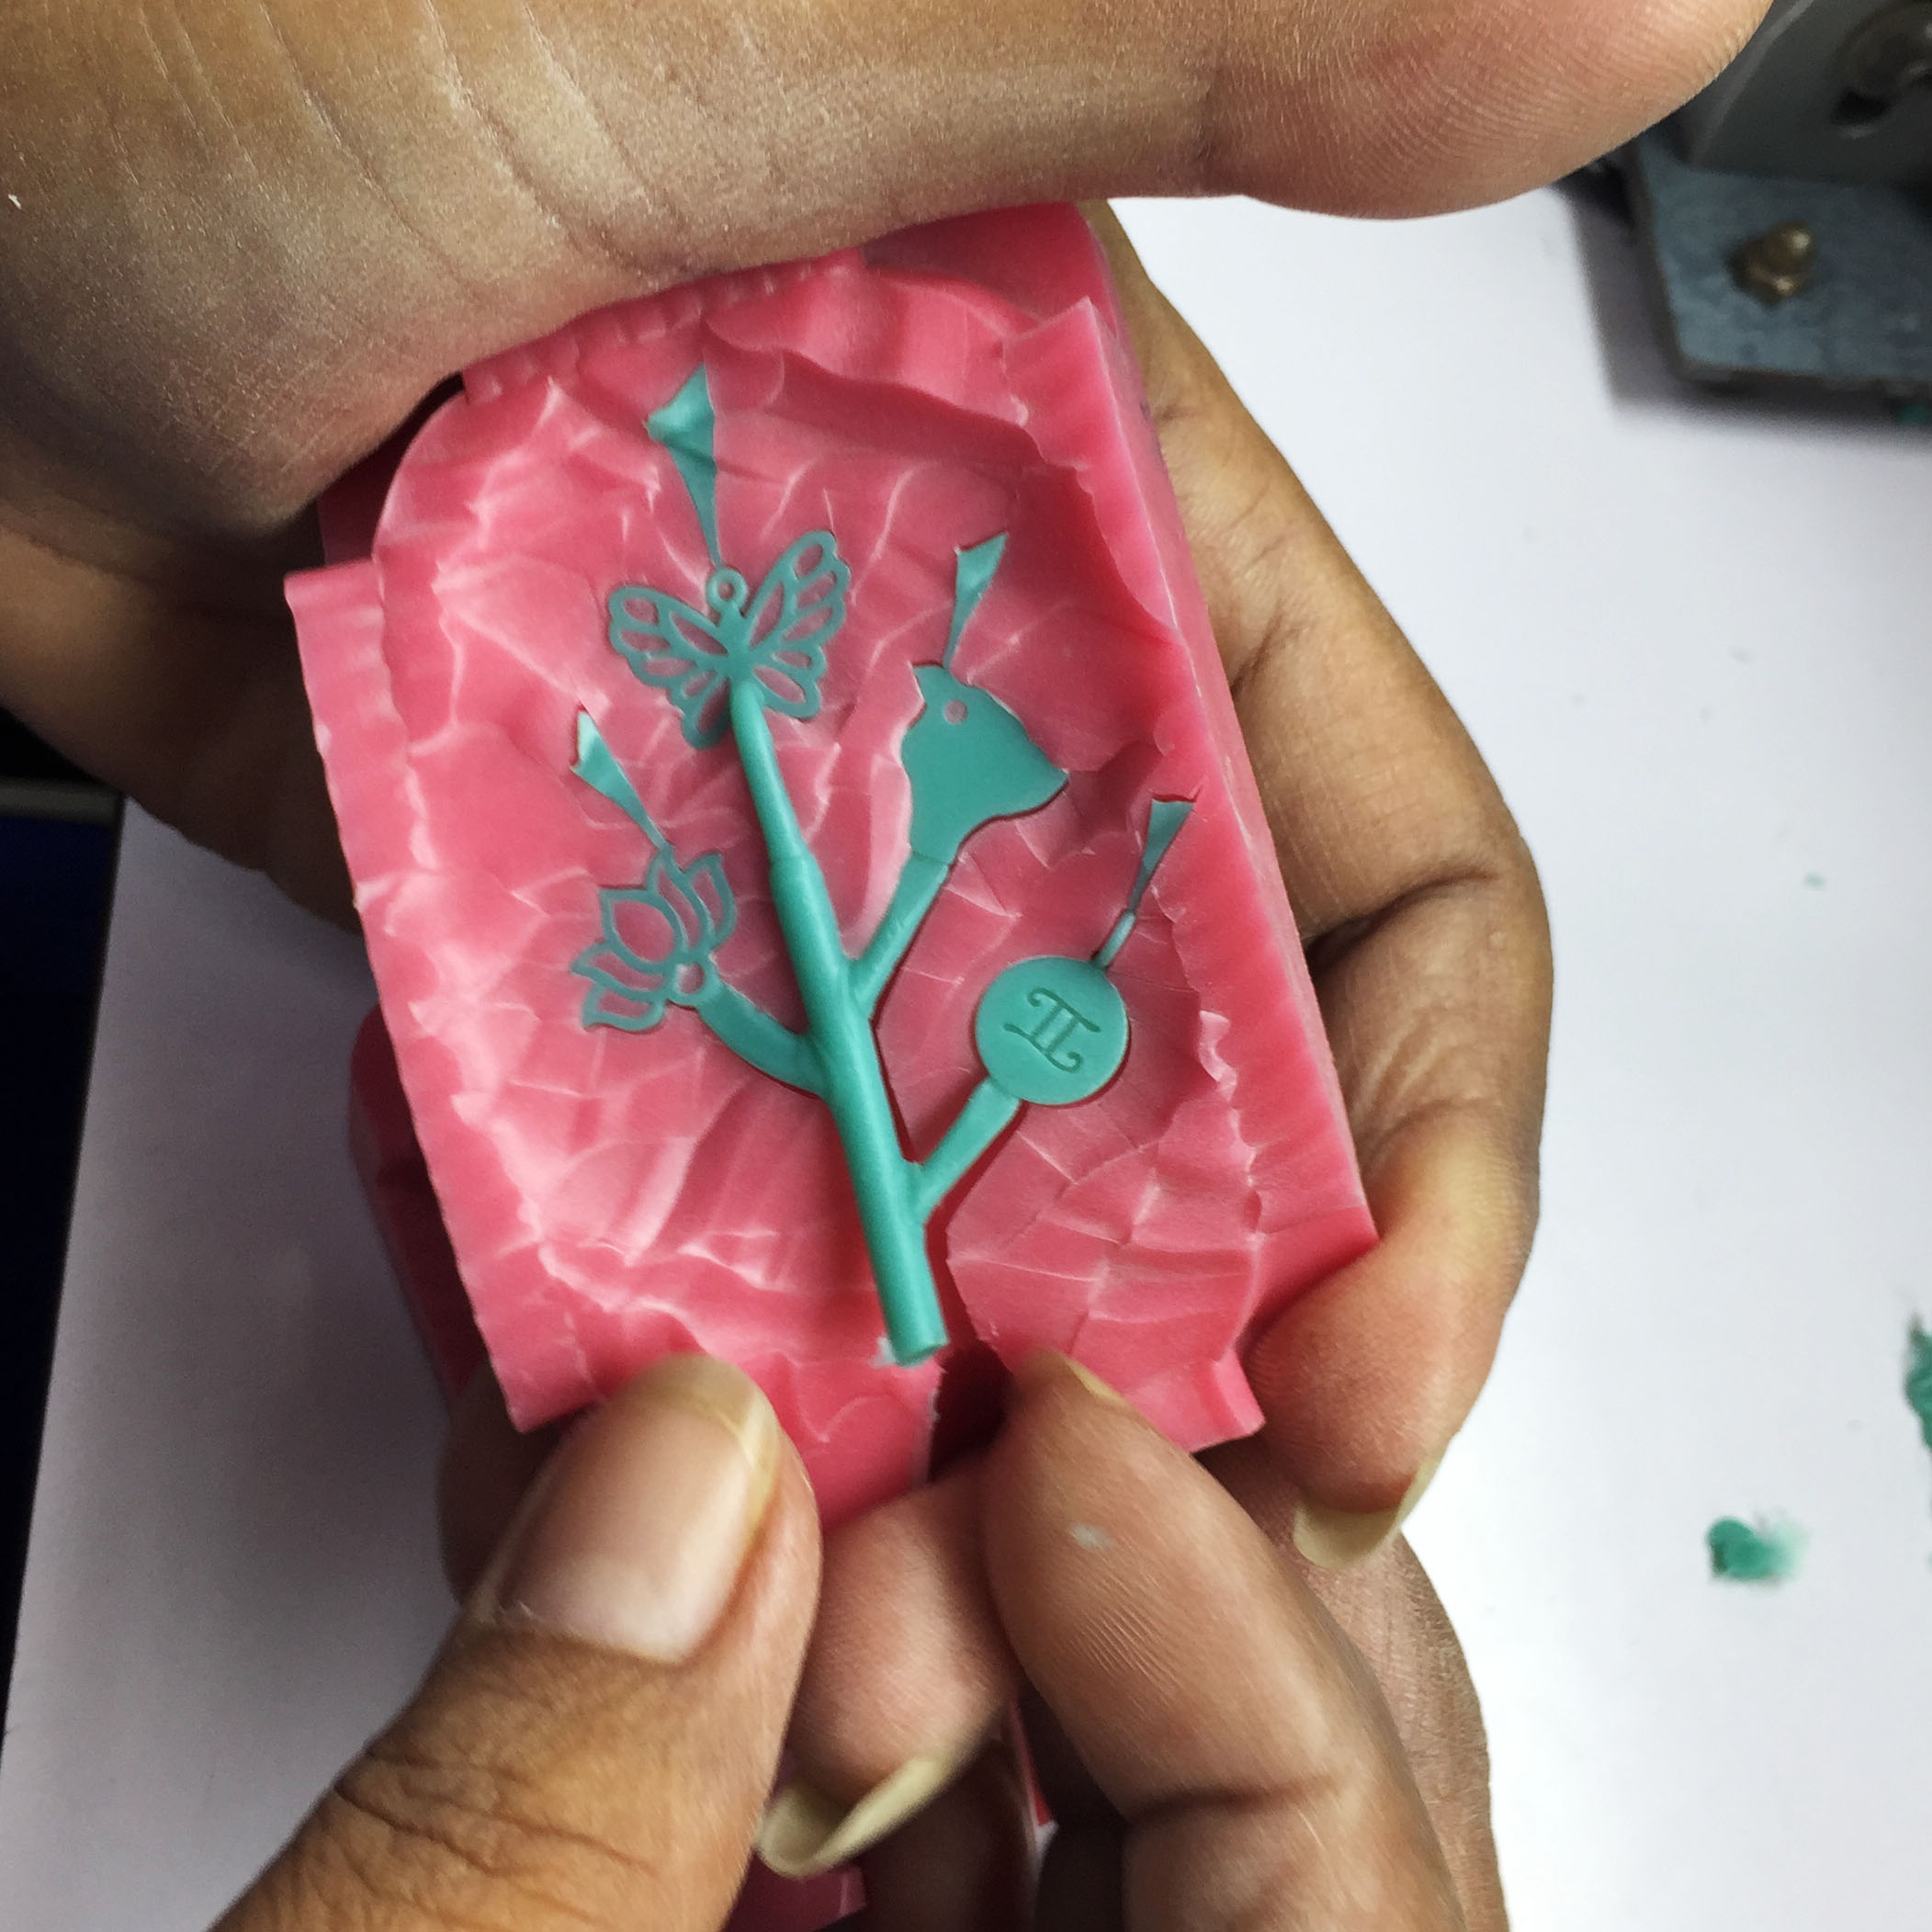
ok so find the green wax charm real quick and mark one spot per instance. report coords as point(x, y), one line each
point(1740, 1553)
point(1052, 1031)
point(968, 760)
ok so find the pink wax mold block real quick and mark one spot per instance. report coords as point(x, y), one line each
point(395, 1178)
point(819, 901)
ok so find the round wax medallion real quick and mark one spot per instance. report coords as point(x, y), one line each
point(1051, 1030)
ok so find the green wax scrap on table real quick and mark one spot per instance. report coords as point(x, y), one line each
point(1742, 1553)
point(1918, 1380)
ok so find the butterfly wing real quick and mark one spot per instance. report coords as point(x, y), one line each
point(798, 611)
point(678, 649)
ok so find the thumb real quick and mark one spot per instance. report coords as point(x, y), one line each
point(595, 1745)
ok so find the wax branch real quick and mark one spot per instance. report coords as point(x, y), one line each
point(1048, 1030)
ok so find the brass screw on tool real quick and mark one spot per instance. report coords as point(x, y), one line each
point(1777, 264)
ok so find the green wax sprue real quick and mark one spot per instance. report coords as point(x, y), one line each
point(1050, 1031)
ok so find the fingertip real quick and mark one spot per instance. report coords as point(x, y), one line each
point(641, 1531)
point(805, 1833)
point(1353, 1391)
point(964, 1863)
point(1364, 1381)
point(1359, 1427)
point(1339, 1539)
point(1046, 1371)
point(907, 1662)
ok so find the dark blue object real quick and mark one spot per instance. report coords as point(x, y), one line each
point(58, 838)
point(1863, 320)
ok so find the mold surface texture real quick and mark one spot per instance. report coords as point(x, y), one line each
point(612, 1194)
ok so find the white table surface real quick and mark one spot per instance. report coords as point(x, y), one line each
point(1694, 638)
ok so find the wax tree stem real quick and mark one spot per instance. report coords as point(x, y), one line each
point(985, 1117)
point(969, 759)
point(840, 1029)
point(920, 881)
point(757, 1039)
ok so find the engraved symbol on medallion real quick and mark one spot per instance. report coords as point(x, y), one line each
point(1052, 1034)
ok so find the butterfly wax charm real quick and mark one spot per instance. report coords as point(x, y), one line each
point(821, 910)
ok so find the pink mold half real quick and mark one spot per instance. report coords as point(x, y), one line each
point(613, 1196)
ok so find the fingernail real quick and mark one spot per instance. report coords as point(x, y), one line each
point(805, 1833)
point(1044, 1365)
point(1336, 1538)
point(638, 1538)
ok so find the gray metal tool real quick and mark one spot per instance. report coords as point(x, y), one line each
point(1787, 210)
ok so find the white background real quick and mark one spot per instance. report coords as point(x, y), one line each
point(1694, 638)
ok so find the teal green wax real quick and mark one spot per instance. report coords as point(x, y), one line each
point(1740, 1553)
point(1918, 1380)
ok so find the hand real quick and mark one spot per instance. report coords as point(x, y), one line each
point(910, 1671)
point(240, 238)
point(1424, 926)
point(593, 1748)
point(307, 214)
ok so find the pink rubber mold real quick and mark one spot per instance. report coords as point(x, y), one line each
point(613, 1195)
